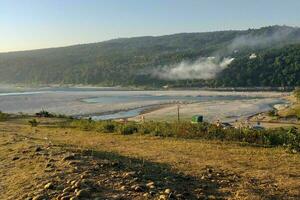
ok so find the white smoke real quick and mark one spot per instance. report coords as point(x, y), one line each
point(263, 39)
point(202, 68)
point(209, 67)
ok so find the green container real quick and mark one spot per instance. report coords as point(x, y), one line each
point(197, 119)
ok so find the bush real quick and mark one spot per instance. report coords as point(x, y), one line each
point(128, 129)
point(33, 123)
point(272, 113)
point(44, 113)
point(3, 116)
point(83, 124)
point(107, 126)
point(297, 93)
point(273, 137)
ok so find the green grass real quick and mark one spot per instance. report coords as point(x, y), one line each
point(289, 137)
point(3, 116)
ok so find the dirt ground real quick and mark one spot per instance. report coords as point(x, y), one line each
point(50, 162)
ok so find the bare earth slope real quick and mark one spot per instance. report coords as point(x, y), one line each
point(49, 162)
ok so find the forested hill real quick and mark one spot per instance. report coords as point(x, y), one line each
point(132, 61)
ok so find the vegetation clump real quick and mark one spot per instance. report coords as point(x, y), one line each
point(297, 93)
point(128, 129)
point(33, 123)
point(289, 137)
point(3, 116)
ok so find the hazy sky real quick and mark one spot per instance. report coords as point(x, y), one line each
point(31, 24)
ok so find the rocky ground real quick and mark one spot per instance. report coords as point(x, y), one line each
point(35, 167)
point(68, 173)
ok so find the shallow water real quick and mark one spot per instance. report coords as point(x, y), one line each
point(110, 103)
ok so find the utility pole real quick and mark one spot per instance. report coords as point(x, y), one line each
point(178, 115)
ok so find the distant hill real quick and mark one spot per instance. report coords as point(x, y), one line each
point(275, 60)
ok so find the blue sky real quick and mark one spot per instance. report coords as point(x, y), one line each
point(31, 24)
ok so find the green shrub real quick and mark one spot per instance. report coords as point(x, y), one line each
point(273, 137)
point(33, 123)
point(107, 126)
point(297, 93)
point(128, 129)
point(83, 124)
point(3, 116)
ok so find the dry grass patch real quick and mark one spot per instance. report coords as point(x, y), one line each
point(263, 173)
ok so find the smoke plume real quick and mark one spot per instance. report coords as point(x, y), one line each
point(265, 39)
point(209, 67)
point(202, 68)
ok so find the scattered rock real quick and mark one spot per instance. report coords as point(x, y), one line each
point(137, 188)
point(129, 174)
point(162, 197)
point(209, 170)
point(167, 191)
point(49, 186)
point(117, 197)
point(211, 197)
point(150, 184)
point(123, 188)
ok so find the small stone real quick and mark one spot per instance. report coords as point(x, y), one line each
point(167, 191)
point(129, 174)
point(49, 186)
point(201, 197)
point(162, 197)
point(146, 195)
point(73, 182)
point(209, 170)
point(209, 176)
point(83, 176)
point(67, 189)
point(294, 151)
point(123, 188)
point(137, 188)
point(211, 197)
point(83, 193)
point(116, 197)
point(150, 184)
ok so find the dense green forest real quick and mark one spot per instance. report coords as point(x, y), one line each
point(130, 61)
